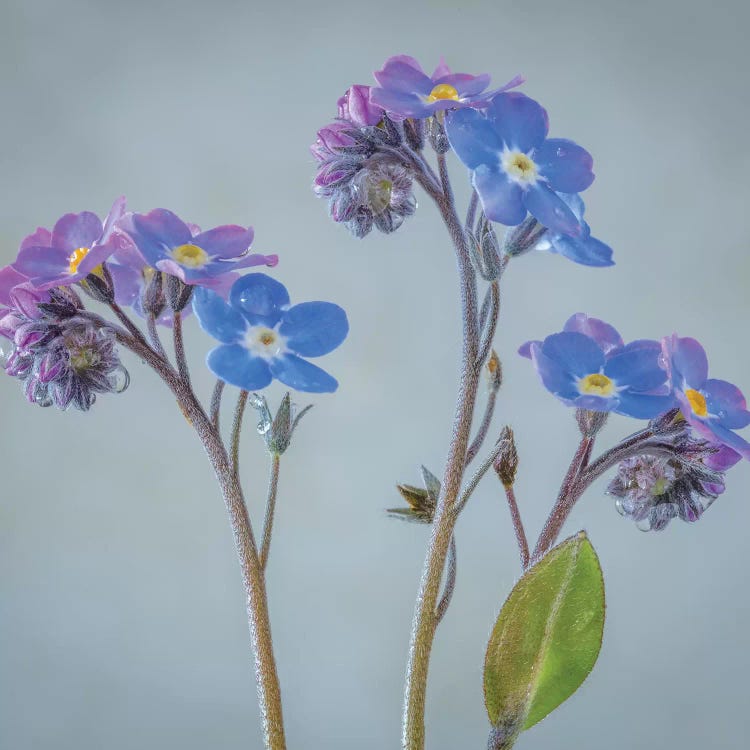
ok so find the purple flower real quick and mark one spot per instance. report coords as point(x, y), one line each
point(405, 90)
point(263, 338)
point(77, 244)
point(584, 249)
point(18, 301)
point(330, 138)
point(168, 244)
point(356, 108)
point(714, 408)
point(515, 168)
point(588, 367)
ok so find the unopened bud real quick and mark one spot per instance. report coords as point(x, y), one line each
point(153, 300)
point(524, 237)
point(506, 463)
point(590, 422)
point(277, 431)
point(178, 293)
point(99, 285)
point(422, 502)
point(670, 422)
point(414, 133)
point(438, 138)
point(494, 372)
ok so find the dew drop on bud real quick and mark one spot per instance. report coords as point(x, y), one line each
point(264, 426)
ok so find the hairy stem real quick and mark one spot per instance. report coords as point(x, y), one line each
point(239, 413)
point(515, 515)
point(269, 692)
point(179, 347)
point(450, 582)
point(484, 427)
point(425, 614)
point(215, 407)
point(273, 485)
point(565, 499)
point(153, 334)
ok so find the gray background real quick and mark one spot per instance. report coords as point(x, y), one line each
point(121, 613)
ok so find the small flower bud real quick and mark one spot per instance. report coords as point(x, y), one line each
point(277, 431)
point(99, 285)
point(178, 293)
point(438, 138)
point(494, 372)
point(153, 300)
point(506, 463)
point(590, 422)
point(521, 239)
point(668, 423)
point(414, 134)
point(486, 253)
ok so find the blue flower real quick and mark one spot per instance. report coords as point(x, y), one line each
point(515, 168)
point(714, 408)
point(585, 249)
point(588, 367)
point(263, 338)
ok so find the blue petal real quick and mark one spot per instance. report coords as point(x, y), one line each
point(688, 362)
point(259, 298)
point(314, 328)
point(556, 377)
point(643, 406)
point(565, 164)
point(588, 251)
point(577, 354)
point(473, 138)
point(636, 366)
point(520, 121)
point(501, 198)
point(235, 365)
point(727, 402)
point(216, 317)
point(550, 210)
point(301, 375)
point(730, 439)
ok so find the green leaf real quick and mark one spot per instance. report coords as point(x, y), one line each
point(546, 639)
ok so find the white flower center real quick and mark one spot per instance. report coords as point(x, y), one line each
point(519, 167)
point(264, 342)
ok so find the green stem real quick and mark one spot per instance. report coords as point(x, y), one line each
point(273, 486)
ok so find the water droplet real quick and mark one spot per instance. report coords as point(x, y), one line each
point(264, 426)
point(257, 401)
point(119, 379)
point(6, 349)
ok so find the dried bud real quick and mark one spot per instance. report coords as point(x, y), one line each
point(422, 502)
point(494, 372)
point(277, 431)
point(590, 422)
point(506, 463)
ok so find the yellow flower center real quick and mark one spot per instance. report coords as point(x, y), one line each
point(443, 91)
point(596, 384)
point(190, 256)
point(697, 402)
point(75, 258)
point(519, 166)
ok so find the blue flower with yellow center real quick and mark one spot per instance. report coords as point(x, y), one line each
point(714, 408)
point(263, 338)
point(516, 169)
point(588, 366)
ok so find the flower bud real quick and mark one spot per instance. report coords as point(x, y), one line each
point(422, 502)
point(277, 431)
point(590, 422)
point(414, 134)
point(355, 107)
point(438, 138)
point(494, 372)
point(153, 300)
point(178, 293)
point(524, 237)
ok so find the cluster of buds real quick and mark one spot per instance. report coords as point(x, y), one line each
point(64, 358)
point(361, 174)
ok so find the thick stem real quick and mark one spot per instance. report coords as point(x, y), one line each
point(269, 692)
point(153, 334)
point(565, 499)
point(425, 617)
point(273, 485)
point(515, 514)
